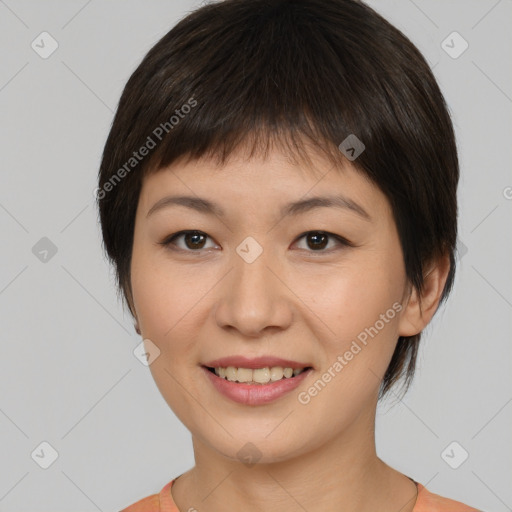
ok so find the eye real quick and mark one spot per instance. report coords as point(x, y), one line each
point(318, 240)
point(194, 240)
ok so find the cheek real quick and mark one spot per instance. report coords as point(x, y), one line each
point(167, 300)
point(164, 300)
point(355, 312)
point(348, 299)
point(358, 312)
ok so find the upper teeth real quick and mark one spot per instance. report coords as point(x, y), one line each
point(260, 375)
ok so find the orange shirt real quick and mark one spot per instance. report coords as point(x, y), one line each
point(426, 502)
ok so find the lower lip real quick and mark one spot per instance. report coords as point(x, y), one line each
point(255, 394)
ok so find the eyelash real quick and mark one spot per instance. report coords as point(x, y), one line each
point(169, 240)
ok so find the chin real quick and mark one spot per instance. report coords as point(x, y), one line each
point(258, 448)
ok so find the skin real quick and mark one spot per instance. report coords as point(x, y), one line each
point(294, 301)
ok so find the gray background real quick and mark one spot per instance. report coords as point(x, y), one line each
point(68, 375)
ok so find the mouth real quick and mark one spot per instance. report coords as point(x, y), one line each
point(256, 376)
point(258, 385)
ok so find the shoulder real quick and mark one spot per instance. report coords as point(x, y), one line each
point(161, 502)
point(429, 502)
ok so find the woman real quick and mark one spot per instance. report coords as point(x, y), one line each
point(278, 197)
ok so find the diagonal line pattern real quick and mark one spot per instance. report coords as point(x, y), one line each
point(426, 484)
point(75, 15)
point(410, 410)
point(1, 410)
point(413, 499)
point(486, 14)
point(13, 13)
point(221, 482)
point(508, 506)
point(14, 486)
point(492, 211)
point(86, 86)
point(13, 217)
point(13, 279)
point(293, 410)
point(493, 287)
point(96, 300)
point(199, 403)
point(404, 404)
point(424, 13)
point(492, 81)
point(74, 218)
point(104, 395)
point(503, 407)
point(14, 76)
point(81, 491)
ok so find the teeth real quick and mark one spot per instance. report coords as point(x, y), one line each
point(260, 375)
point(257, 376)
point(276, 373)
point(244, 375)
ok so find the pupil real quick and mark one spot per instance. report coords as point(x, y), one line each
point(316, 237)
point(194, 237)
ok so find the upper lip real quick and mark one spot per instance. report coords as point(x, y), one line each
point(256, 362)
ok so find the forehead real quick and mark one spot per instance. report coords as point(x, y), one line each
point(257, 182)
point(240, 168)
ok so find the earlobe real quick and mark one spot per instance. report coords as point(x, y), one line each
point(409, 325)
point(420, 308)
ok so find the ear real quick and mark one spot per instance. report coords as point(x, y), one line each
point(416, 315)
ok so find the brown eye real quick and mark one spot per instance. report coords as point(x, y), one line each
point(193, 240)
point(317, 241)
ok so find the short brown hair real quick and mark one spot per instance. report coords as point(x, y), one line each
point(290, 72)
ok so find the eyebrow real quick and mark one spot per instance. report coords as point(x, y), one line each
point(291, 209)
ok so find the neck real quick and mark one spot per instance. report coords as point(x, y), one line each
point(343, 474)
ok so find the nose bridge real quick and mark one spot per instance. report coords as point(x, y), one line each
point(253, 298)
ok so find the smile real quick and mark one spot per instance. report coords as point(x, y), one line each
point(252, 392)
point(257, 375)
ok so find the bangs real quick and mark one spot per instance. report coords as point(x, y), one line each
point(295, 145)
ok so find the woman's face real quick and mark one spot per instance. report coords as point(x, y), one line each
point(260, 281)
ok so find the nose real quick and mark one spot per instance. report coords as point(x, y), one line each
point(254, 298)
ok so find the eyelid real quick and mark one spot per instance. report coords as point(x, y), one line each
point(342, 240)
point(167, 242)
